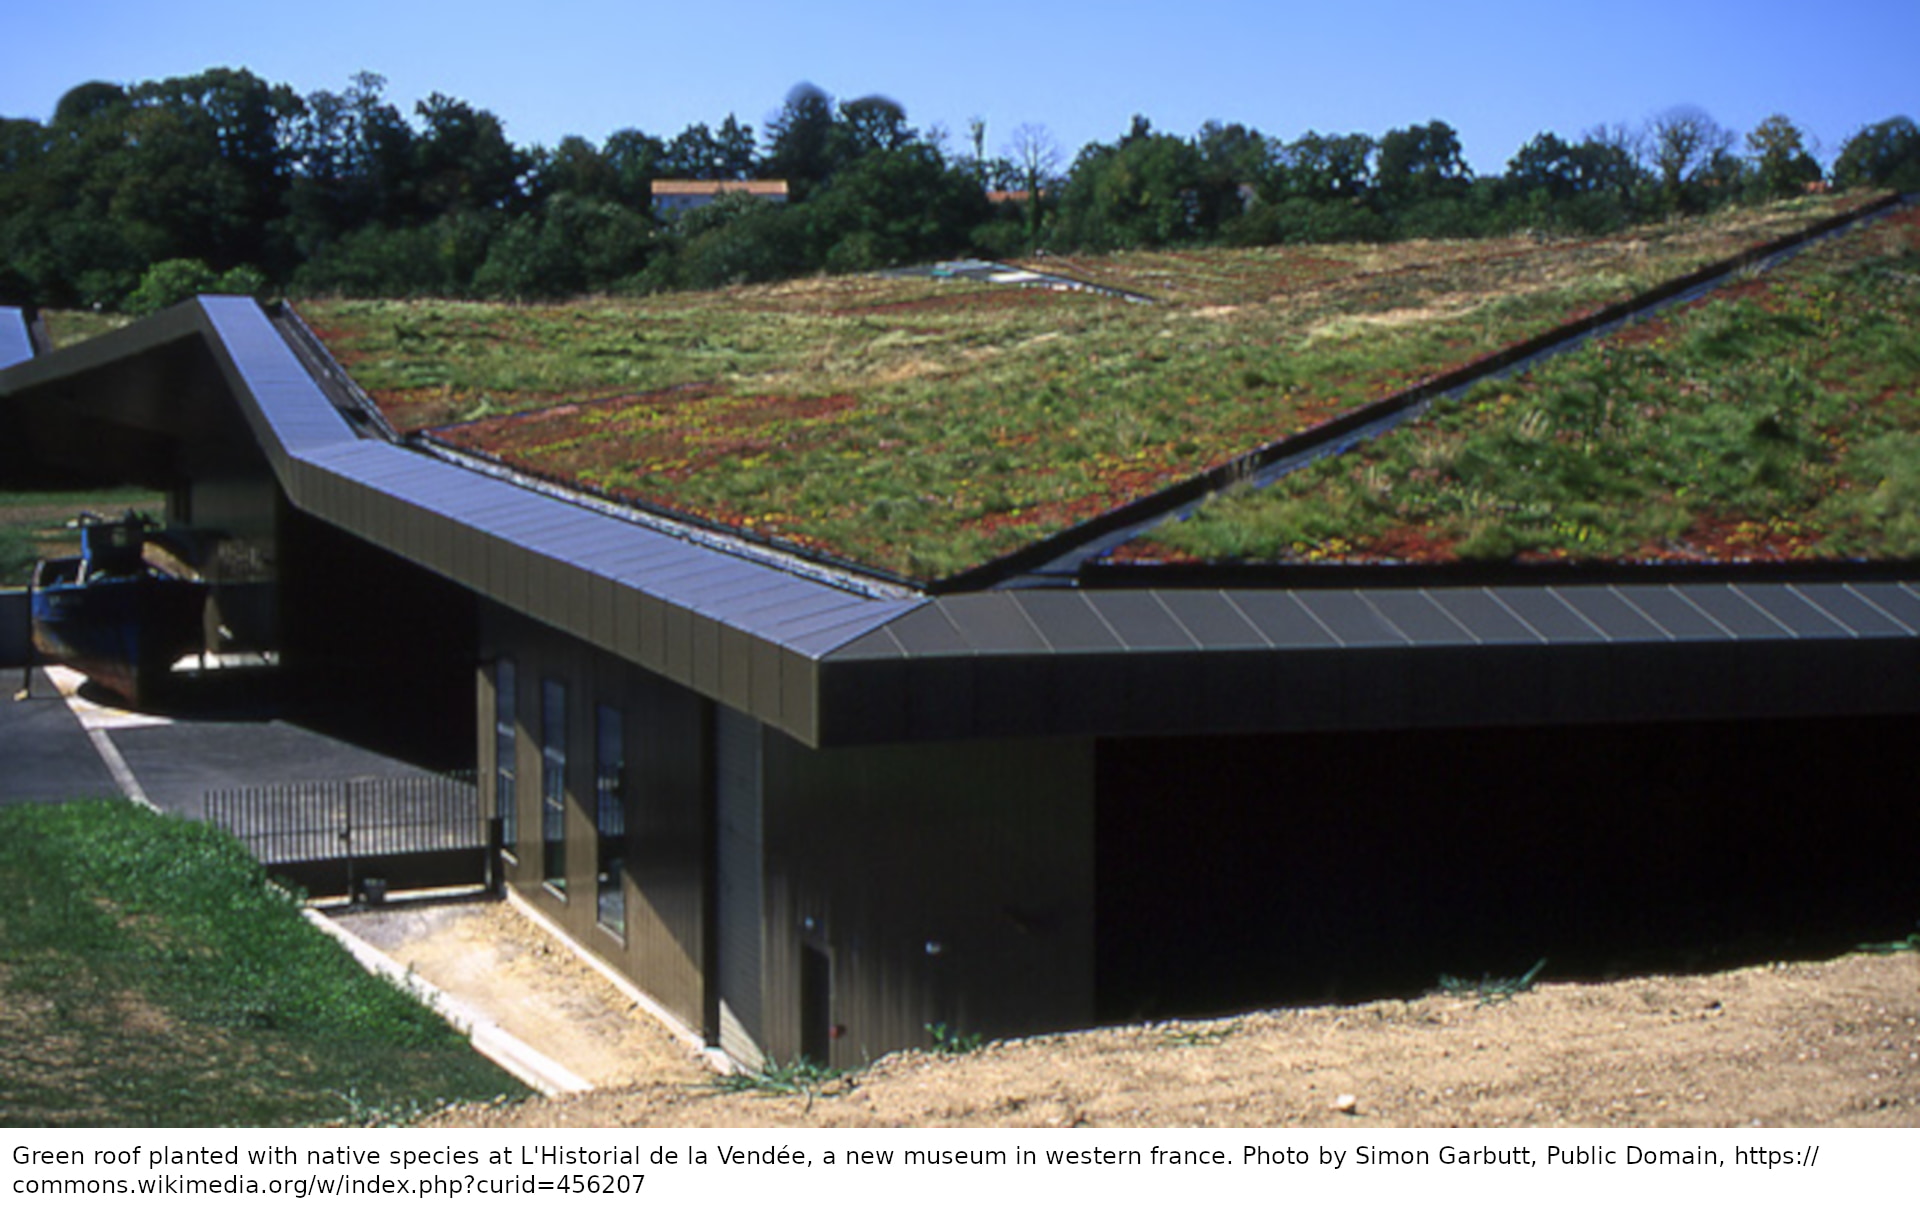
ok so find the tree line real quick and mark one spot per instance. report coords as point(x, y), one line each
point(131, 197)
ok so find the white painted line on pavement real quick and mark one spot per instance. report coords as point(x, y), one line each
point(117, 767)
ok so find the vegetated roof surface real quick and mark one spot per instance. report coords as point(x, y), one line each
point(66, 327)
point(1778, 419)
point(926, 427)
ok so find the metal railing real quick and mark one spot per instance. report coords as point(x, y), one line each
point(353, 821)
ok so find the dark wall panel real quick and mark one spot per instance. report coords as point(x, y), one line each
point(667, 790)
point(942, 884)
point(1238, 871)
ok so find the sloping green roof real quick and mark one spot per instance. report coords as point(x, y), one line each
point(928, 427)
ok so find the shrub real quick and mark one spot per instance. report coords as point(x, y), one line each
point(169, 283)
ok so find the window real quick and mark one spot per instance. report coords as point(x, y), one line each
point(610, 817)
point(553, 783)
point(505, 698)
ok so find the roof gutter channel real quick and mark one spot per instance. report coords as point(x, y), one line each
point(339, 387)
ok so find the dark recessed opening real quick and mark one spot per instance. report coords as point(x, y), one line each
point(1242, 871)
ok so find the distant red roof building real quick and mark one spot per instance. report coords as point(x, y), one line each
point(680, 195)
point(1000, 197)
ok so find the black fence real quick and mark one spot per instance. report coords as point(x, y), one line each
point(362, 837)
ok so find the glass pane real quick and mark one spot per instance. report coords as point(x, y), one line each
point(553, 783)
point(610, 817)
point(505, 791)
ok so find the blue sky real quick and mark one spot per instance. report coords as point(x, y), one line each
point(1497, 71)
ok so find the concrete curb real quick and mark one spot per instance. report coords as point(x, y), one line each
point(526, 1064)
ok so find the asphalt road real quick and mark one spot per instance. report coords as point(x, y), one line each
point(45, 755)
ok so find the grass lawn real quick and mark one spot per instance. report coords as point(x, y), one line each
point(927, 427)
point(33, 524)
point(1778, 419)
point(149, 976)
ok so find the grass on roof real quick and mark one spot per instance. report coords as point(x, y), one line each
point(66, 327)
point(1778, 419)
point(927, 427)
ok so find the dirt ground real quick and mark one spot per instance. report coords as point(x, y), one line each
point(1792, 1044)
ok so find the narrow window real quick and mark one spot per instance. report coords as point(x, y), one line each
point(505, 697)
point(610, 817)
point(553, 783)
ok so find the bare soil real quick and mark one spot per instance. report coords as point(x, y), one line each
point(1832, 1043)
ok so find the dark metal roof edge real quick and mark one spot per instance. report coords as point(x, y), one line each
point(1018, 601)
point(1475, 574)
point(1563, 669)
point(169, 326)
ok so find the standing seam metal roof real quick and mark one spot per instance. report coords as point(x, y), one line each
point(1054, 622)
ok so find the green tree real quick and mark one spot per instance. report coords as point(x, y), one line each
point(353, 154)
point(462, 160)
point(1326, 167)
point(574, 167)
point(1886, 154)
point(1782, 166)
point(1585, 187)
point(871, 125)
point(1234, 153)
point(1544, 164)
point(695, 154)
point(233, 130)
point(738, 153)
point(634, 157)
point(894, 206)
point(82, 104)
point(440, 258)
point(574, 245)
point(1421, 163)
point(800, 140)
point(169, 283)
point(737, 239)
point(1144, 192)
point(1687, 150)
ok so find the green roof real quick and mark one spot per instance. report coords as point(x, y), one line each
point(928, 426)
point(1777, 419)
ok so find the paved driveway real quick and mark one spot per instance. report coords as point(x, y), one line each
point(45, 755)
point(55, 749)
